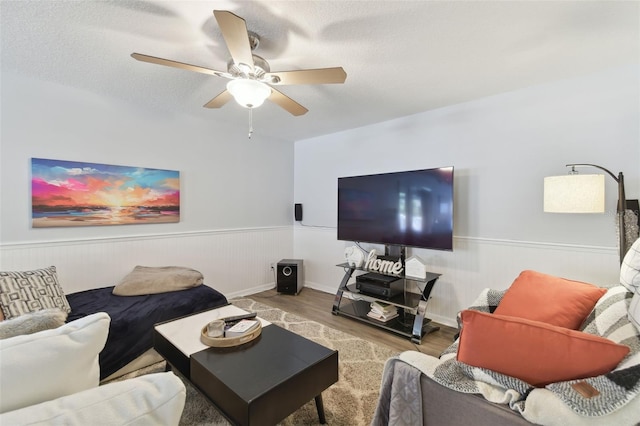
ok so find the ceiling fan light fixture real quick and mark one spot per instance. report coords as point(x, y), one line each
point(248, 93)
point(251, 76)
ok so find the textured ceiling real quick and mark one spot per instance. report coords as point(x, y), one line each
point(401, 57)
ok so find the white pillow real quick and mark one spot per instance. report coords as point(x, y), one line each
point(630, 268)
point(154, 399)
point(49, 364)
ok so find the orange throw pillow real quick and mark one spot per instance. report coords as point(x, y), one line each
point(553, 300)
point(532, 351)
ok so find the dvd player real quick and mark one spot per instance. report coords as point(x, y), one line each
point(379, 290)
point(376, 279)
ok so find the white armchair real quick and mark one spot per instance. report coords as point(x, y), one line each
point(52, 377)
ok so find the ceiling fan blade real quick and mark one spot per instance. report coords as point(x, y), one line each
point(315, 76)
point(286, 103)
point(234, 31)
point(219, 100)
point(176, 64)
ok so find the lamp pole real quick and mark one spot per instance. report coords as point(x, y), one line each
point(622, 237)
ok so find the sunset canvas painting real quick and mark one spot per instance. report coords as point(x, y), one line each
point(70, 193)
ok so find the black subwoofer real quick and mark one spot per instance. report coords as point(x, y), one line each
point(289, 276)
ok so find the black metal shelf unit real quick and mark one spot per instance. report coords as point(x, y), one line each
point(410, 321)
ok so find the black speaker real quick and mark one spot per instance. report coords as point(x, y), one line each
point(297, 209)
point(289, 276)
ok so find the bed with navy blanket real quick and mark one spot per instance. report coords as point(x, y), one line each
point(133, 318)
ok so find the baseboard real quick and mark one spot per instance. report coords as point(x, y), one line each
point(442, 320)
point(250, 291)
point(320, 287)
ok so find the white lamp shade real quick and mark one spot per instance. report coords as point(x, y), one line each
point(248, 93)
point(574, 194)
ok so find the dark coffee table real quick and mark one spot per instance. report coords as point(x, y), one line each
point(260, 382)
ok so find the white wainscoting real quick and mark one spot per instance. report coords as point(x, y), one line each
point(474, 264)
point(236, 262)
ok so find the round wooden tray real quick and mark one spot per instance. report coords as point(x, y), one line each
point(226, 342)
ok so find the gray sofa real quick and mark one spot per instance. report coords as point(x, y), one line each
point(421, 389)
point(441, 406)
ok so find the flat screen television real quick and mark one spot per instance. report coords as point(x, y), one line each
point(411, 208)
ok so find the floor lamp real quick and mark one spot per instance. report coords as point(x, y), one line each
point(575, 193)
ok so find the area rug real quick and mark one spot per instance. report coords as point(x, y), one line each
point(351, 401)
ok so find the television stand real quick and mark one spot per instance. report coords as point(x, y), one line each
point(410, 321)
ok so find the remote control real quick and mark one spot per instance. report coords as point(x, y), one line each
point(239, 317)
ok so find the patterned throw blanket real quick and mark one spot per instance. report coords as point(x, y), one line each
point(617, 388)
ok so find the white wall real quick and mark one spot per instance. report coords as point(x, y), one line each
point(225, 183)
point(501, 147)
point(231, 186)
point(237, 195)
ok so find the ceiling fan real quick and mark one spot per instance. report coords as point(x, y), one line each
point(251, 78)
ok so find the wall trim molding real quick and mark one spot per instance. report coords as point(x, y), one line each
point(536, 244)
point(488, 240)
point(138, 237)
point(247, 292)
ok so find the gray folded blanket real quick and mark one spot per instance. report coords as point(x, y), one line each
point(157, 279)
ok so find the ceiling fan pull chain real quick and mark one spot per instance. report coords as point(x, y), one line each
point(250, 122)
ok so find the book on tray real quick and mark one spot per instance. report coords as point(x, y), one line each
point(382, 318)
point(241, 327)
point(383, 308)
point(381, 311)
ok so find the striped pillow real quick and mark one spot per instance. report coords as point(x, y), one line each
point(630, 268)
point(634, 310)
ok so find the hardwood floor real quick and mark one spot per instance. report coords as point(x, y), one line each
point(316, 306)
